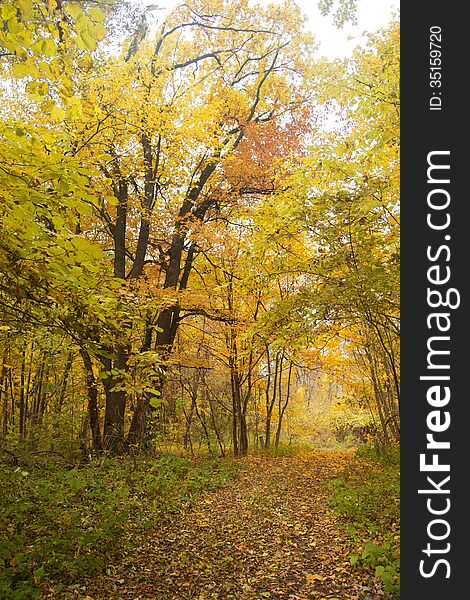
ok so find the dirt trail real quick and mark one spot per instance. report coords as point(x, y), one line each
point(267, 534)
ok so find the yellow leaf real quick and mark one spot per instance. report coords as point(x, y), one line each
point(97, 31)
point(48, 47)
point(20, 69)
point(26, 8)
point(89, 42)
point(14, 25)
point(95, 14)
point(58, 114)
point(312, 577)
point(74, 9)
point(8, 11)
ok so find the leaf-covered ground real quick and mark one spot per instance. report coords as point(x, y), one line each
point(266, 534)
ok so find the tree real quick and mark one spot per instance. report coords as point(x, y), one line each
point(350, 190)
point(160, 207)
point(211, 77)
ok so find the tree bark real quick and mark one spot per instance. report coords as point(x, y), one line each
point(113, 434)
point(93, 411)
point(63, 388)
point(4, 397)
point(270, 401)
point(120, 230)
point(282, 408)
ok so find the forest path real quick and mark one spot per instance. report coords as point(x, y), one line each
point(267, 534)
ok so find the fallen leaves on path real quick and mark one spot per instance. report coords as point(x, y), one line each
point(267, 534)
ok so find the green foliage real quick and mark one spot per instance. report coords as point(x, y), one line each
point(58, 524)
point(289, 450)
point(116, 175)
point(386, 454)
point(343, 11)
point(366, 498)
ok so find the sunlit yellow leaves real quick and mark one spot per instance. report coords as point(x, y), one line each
point(37, 89)
point(22, 69)
point(98, 31)
point(26, 8)
point(65, 89)
point(45, 48)
point(58, 114)
point(75, 11)
point(85, 41)
point(13, 25)
point(95, 14)
point(88, 26)
point(48, 47)
point(8, 11)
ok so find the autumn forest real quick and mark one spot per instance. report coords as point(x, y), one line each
point(199, 303)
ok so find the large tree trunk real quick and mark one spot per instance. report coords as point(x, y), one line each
point(167, 328)
point(116, 397)
point(114, 370)
point(243, 435)
point(139, 429)
point(239, 436)
point(234, 422)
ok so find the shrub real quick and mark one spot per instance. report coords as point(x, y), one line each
point(366, 499)
point(58, 524)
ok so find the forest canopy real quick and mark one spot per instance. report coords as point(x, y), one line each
point(199, 225)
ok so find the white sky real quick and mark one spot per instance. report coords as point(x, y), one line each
point(335, 43)
point(339, 43)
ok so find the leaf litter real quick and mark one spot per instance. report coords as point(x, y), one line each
point(268, 533)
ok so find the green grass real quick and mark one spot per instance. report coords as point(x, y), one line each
point(366, 498)
point(57, 524)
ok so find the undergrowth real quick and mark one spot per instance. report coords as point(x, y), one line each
point(57, 524)
point(367, 500)
point(286, 450)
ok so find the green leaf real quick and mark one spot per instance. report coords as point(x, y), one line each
point(152, 391)
point(80, 243)
point(39, 573)
point(155, 402)
point(58, 221)
point(84, 209)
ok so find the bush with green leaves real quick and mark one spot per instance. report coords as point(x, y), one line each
point(57, 524)
point(366, 498)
